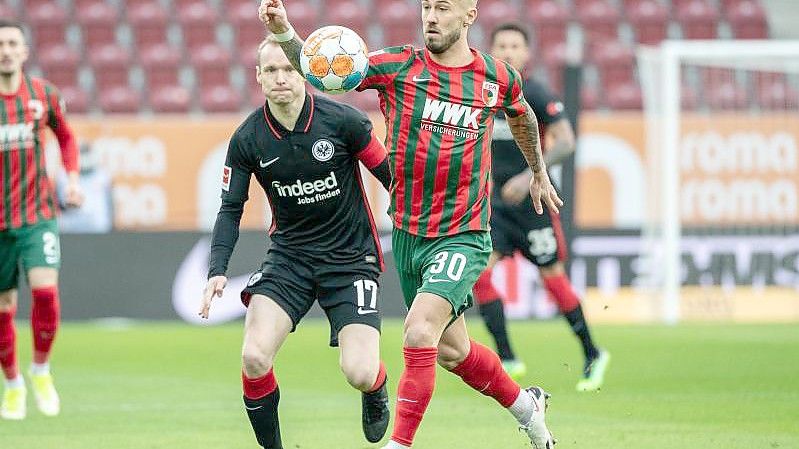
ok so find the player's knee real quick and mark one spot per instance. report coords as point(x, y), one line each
point(359, 374)
point(256, 363)
point(420, 334)
point(8, 300)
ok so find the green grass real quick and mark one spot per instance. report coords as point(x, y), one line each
point(176, 386)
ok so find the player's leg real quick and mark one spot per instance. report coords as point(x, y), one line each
point(351, 302)
point(41, 257)
point(14, 391)
point(560, 289)
point(547, 249)
point(266, 327)
point(481, 369)
point(429, 314)
point(492, 310)
point(361, 365)
point(277, 297)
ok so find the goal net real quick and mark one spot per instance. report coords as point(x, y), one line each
point(720, 238)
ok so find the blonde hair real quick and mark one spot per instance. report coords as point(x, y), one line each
point(268, 40)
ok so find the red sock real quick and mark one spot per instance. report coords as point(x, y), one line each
point(414, 392)
point(483, 371)
point(8, 344)
point(484, 291)
point(258, 387)
point(560, 288)
point(44, 321)
point(381, 379)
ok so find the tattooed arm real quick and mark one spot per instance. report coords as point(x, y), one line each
point(273, 14)
point(525, 132)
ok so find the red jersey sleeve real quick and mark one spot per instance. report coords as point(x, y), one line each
point(58, 123)
point(514, 103)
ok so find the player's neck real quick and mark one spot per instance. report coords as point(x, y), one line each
point(287, 114)
point(458, 55)
point(9, 84)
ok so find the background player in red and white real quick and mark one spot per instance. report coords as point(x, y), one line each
point(28, 209)
point(513, 228)
point(439, 103)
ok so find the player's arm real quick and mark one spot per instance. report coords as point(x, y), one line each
point(559, 141)
point(524, 127)
point(549, 110)
point(366, 147)
point(273, 14)
point(68, 144)
point(235, 186)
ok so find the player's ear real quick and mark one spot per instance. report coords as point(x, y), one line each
point(258, 74)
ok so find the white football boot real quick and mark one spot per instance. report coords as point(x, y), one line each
point(536, 428)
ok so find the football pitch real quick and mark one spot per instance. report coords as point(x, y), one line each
point(170, 385)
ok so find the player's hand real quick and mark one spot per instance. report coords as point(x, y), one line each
point(214, 287)
point(541, 188)
point(74, 192)
point(273, 14)
point(517, 188)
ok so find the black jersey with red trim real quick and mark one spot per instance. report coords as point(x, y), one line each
point(312, 180)
point(506, 160)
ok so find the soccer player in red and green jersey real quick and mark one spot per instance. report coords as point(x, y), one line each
point(439, 103)
point(28, 229)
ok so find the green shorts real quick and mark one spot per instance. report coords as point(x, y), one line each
point(446, 266)
point(35, 246)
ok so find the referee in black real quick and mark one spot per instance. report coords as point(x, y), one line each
point(304, 151)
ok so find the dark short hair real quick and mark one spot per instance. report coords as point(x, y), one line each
point(10, 23)
point(511, 27)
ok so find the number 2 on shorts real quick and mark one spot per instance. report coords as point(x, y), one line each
point(455, 264)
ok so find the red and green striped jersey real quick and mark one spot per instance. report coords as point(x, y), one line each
point(26, 193)
point(439, 122)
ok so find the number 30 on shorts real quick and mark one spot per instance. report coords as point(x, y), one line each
point(454, 263)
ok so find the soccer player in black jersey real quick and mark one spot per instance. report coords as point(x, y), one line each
point(304, 150)
point(514, 228)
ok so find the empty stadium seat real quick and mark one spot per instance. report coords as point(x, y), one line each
point(347, 12)
point(554, 57)
point(211, 64)
point(492, 13)
point(161, 63)
point(748, 20)
point(7, 12)
point(48, 22)
point(625, 96)
point(249, 30)
point(615, 63)
point(600, 22)
point(726, 96)
point(111, 63)
point(60, 64)
point(550, 20)
point(198, 22)
point(699, 20)
point(170, 99)
point(778, 96)
point(254, 95)
point(98, 23)
point(149, 21)
point(119, 99)
point(75, 98)
point(221, 98)
point(304, 17)
point(399, 22)
point(649, 20)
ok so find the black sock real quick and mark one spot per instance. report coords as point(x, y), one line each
point(493, 314)
point(580, 328)
point(263, 417)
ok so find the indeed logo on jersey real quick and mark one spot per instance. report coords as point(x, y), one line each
point(309, 192)
point(13, 135)
point(450, 118)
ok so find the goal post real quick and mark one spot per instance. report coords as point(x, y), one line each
point(722, 126)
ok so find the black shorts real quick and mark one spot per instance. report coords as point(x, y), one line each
point(538, 237)
point(348, 293)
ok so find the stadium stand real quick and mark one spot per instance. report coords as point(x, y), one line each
point(198, 55)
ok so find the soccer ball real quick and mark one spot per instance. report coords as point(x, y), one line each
point(334, 59)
